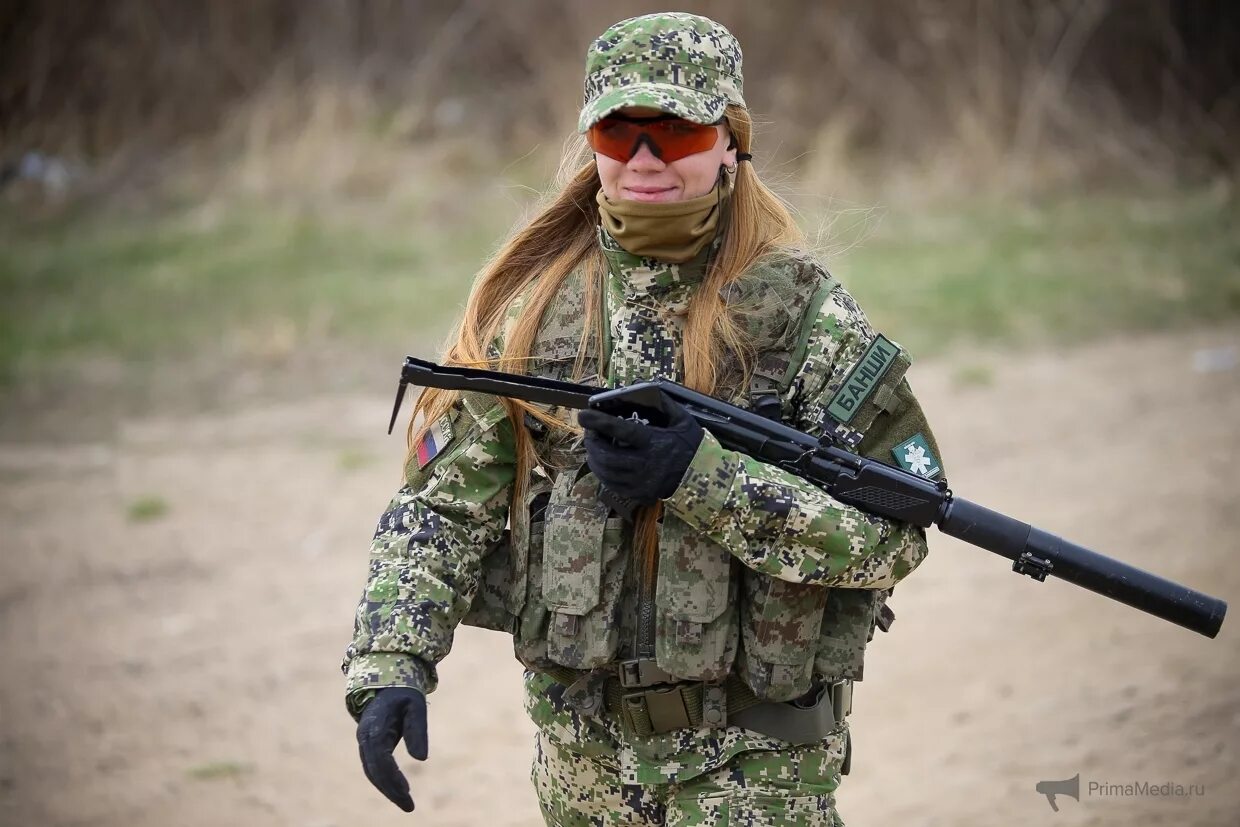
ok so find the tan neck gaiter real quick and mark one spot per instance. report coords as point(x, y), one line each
point(671, 231)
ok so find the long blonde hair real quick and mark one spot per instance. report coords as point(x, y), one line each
point(561, 240)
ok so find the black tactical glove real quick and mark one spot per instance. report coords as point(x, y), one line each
point(641, 462)
point(393, 712)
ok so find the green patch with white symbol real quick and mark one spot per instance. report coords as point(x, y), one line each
point(863, 379)
point(914, 455)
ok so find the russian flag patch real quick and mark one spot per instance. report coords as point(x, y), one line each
point(434, 440)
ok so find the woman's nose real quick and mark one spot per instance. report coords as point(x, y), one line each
point(645, 159)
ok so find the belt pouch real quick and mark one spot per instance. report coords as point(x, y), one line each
point(695, 594)
point(847, 624)
point(525, 598)
point(780, 624)
point(581, 573)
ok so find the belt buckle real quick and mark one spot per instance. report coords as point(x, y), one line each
point(640, 673)
point(655, 711)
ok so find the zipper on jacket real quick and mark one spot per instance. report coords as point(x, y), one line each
point(645, 621)
point(645, 605)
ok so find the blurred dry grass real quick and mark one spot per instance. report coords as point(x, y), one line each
point(251, 178)
point(970, 93)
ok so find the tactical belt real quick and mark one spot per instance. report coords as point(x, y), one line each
point(648, 701)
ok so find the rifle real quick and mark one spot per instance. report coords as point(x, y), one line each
point(867, 484)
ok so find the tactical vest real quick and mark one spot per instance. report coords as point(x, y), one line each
point(555, 581)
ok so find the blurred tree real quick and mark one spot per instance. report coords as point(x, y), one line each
point(987, 77)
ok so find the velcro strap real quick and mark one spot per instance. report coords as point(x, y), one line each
point(886, 398)
point(484, 408)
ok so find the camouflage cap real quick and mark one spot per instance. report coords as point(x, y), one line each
point(683, 64)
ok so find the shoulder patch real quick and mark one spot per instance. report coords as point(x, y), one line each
point(863, 379)
point(914, 455)
point(434, 440)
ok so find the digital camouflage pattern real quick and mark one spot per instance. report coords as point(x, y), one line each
point(425, 559)
point(582, 574)
point(678, 63)
point(804, 535)
point(758, 570)
point(669, 758)
point(779, 786)
point(848, 621)
point(695, 593)
point(647, 300)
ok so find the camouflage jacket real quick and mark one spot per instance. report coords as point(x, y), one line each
point(427, 554)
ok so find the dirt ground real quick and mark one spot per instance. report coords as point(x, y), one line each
point(184, 669)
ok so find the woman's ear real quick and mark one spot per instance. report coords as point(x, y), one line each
point(729, 154)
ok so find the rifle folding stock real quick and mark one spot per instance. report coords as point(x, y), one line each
point(867, 484)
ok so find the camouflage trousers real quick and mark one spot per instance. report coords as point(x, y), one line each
point(788, 788)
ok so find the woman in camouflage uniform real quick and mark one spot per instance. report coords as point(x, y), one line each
point(690, 661)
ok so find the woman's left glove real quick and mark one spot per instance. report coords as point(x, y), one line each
point(394, 713)
point(641, 462)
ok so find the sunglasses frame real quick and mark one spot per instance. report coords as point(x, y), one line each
point(644, 136)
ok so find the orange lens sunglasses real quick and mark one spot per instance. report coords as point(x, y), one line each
point(669, 137)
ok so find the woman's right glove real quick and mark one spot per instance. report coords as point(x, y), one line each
point(393, 712)
point(640, 462)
